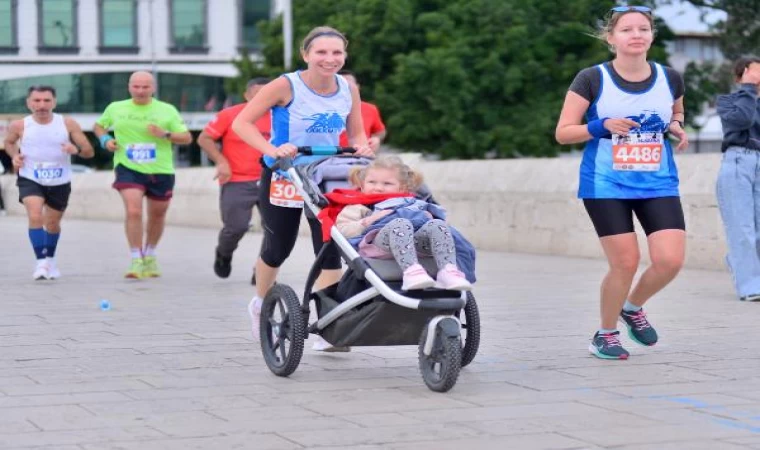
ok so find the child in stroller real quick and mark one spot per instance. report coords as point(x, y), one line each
point(401, 227)
point(368, 306)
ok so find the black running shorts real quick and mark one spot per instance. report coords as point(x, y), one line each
point(56, 197)
point(158, 186)
point(615, 216)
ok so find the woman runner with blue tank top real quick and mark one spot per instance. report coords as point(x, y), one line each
point(309, 108)
point(630, 105)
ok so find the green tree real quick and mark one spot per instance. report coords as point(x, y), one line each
point(461, 78)
point(739, 33)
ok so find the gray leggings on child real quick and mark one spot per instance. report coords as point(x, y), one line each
point(432, 239)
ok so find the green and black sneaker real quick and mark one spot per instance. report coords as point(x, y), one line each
point(607, 346)
point(639, 328)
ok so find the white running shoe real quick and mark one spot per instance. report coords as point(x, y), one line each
point(53, 272)
point(321, 345)
point(254, 310)
point(41, 270)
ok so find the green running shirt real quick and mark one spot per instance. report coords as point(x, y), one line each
point(138, 149)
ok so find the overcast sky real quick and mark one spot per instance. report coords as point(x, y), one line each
point(682, 17)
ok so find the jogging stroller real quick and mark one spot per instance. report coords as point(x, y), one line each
point(367, 307)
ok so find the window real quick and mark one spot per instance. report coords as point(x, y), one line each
point(92, 92)
point(8, 26)
point(57, 26)
point(118, 26)
point(188, 26)
point(251, 13)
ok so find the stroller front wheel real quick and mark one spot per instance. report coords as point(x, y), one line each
point(282, 330)
point(470, 330)
point(440, 368)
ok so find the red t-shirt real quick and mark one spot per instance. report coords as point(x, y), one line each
point(373, 124)
point(243, 159)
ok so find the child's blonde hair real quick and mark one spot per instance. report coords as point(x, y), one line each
point(410, 179)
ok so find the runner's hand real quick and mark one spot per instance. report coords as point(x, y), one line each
point(223, 172)
point(69, 148)
point(112, 146)
point(374, 143)
point(680, 134)
point(751, 76)
point(285, 150)
point(364, 150)
point(157, 131)
point(620, 126)
point(18, 161)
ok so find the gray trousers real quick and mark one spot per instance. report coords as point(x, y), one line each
point(236, 202)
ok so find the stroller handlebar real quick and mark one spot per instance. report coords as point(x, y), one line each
point(325, 150)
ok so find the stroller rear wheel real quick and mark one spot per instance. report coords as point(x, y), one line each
point(440, 369)
point(282, 330)
point(470, 330)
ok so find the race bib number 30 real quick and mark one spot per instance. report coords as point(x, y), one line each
point(637, 152)
point(282, 192)
point(141, 153)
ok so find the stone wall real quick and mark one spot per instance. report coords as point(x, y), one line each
point(523, 205)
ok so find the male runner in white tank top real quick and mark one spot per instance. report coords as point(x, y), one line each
point(41, 147)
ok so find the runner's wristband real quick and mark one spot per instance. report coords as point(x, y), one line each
point(104, 140)
point(596, 128)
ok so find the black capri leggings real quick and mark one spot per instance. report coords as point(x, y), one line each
point(615, 216)
point(281, 230)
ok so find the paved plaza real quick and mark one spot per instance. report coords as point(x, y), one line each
point(172, 364)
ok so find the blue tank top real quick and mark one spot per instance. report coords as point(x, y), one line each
point(639, 165)
point(310, 119)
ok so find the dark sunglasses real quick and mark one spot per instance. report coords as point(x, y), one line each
point(641, 9)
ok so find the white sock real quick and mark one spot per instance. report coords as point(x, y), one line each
point(136, 253)
point(149, 251)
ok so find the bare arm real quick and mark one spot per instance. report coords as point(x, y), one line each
point(275, 93)
point(175, 137)
point(355, 123)
point(675, 127)
point(570, 127)
point(80, 140)
point(99, 131)
point(183, 138)
point(572, 130)
point(15, 131)
point(211, 148)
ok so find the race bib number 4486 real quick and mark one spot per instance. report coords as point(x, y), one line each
point(637, 152)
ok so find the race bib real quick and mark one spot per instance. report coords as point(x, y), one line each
point(47, 172)
point(637, 152)
point(282, 192)
point(141, 153)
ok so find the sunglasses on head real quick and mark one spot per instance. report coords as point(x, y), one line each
point(641, 9)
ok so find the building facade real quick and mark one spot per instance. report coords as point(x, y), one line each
point(86, 49)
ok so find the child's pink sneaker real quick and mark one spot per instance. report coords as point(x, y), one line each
point(416, 277)
point(453, 279)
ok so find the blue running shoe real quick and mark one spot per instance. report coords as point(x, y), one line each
point(639, 328)
point(607, 346)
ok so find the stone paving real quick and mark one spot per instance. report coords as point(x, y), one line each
point(172, 365)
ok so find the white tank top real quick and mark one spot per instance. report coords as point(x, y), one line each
point(44, 160)
point(310, 119)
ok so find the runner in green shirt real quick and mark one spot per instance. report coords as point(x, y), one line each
point(145, 130)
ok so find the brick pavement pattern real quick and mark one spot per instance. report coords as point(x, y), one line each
point(172, 365)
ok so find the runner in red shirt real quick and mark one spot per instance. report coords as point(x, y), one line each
point(374, 127)
point(238, 170)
